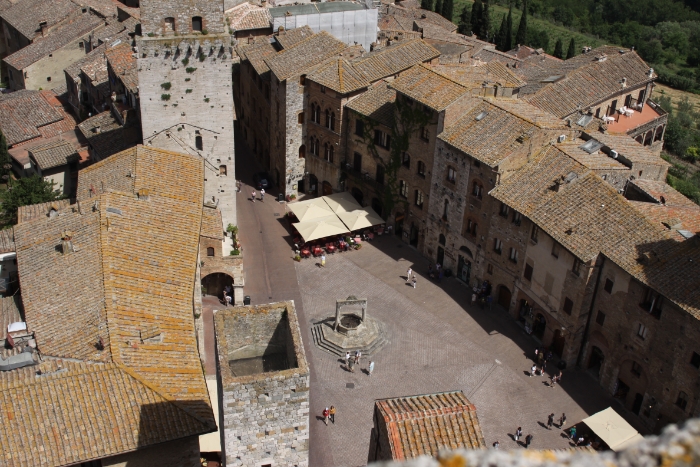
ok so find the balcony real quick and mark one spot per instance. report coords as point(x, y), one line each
point(651, 116)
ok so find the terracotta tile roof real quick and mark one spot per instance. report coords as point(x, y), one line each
point(589, 217)
point(9, 312)
point(303, 55)
point(503, 127)
point(7, 240)
point(390, 23)
point(522, 52)
point(115, 30)
point(433, 31)
point(93, 59)
point(339, 75)
point(592, 81)
point(681, 221)
point(658, 190)
point(595, 161)
point(247, 16)
point(129, 282)
point(490, 54)
point(376, 103)
point(53, 154)
point(105, 8)
point(121, 59)
point(95, 69)
point(426, 424)
point(23, 112)
point(256, 52)
point(59, 38)
point(290, 37)
point(112, 136)
point(629, 149)
point(35, 211)
point(5, 4)
point(26, 15)
point(429, 88)
point(394, 59)
point(212, 226)
point(474, 76)
point(420, 14)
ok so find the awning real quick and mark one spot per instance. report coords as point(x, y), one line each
point(360, 218)
point(612, 429)
point(311, 209)
point(341, 202)
point(320, 228)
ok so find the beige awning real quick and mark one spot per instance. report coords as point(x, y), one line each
point(341, 202)
point(360, 218)
point(612, 429)
point(311, 209)
point(320, 228)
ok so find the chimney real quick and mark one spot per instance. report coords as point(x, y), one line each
point(624, 82)
point(650, 74)
point(66, 242)
point(143, 194)
point(43, 25)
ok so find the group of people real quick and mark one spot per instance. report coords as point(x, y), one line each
point(262, 195)
point(351, 361)
point(482, 294)
point(329, 413)
point(435, 272)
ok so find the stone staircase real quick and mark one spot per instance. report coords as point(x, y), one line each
point(368, 349)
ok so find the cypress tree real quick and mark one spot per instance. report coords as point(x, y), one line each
point(572, 49)
point(4, 157)
point(485, 22)
point(427, 5)
point(438, 6)
point(448, 8)
point(559, 49)
point(464, 26)
point(477, 9)
point(501, 36)
point(508, 44)
point(521, 35)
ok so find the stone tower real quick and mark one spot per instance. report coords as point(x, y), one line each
point(186, 92)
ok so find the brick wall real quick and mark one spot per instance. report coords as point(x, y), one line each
point(154, 12)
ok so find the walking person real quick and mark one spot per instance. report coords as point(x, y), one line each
point(496, 445)
point(358, 354)
point(572, 433)
point(331, 412)
point(553, 381)
point(414, 281)
point(562, 421)
point(533, 370)
point(326, 414)
point(351, 365)
point(253, 196)
point(347, 358)
point(550, 421)
point(518, 434)
point(473, 298)
point(408, 275)
point(262, 194)
point(371, 368)
point(528, 440)
point(323, 260)
point(228, 299)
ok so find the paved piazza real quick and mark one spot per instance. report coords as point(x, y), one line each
point(436, 344)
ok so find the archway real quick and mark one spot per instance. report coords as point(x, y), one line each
point(504, 296)
point(595, 361)
point(214, 284)
point(327, 188)
point(539, 326)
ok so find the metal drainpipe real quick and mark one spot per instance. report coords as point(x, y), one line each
point(590, 310)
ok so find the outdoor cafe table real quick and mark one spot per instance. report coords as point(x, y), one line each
point(330, 248)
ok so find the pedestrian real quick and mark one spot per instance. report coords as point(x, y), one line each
point(562, 421)
point(440, 275)
point(347, 358)
point(371, 368)
point(331, 412)
point(528, 440)
point(228, 300)
point(414, 282)
point(262, 194)
point(518, 433)
point(326, 413)
point(572, 433)
point(533, 370)
point(358, 354)
point(553, 381)
point(550, 421)
point(238, 186)
point(323, 260)
point(351, 365)
point(408, 275)
point(430, 271)
point(580, 441)
point(496, 445)
point(473, 298)
point(253, 196)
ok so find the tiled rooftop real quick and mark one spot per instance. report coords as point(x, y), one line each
point(53, 154)
point(426, 424)
point(26, 15)
point(23, 112)
point(112, 137)
point(471, 75)
point(394, 59)
point(105, 8)
point(121, 59)
point(290, 37)
point(7, 240)
point(595, 161)
point(247, 16)
point(339, 75)
point(376, 103)
point(420, 14)
point(303, 55)
point(92, 62)
point(429, 88)
point(630, 149)
point(9, 311)
point(212, 227)
point(36, 211)
point(59, 38)
point(256, 52)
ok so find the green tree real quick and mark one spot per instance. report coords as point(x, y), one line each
point(521, 35)
point(438, 6)
point(571, 53)
point(427, 5)
point(477, 10)
point(508, 44)
point(5, 162)
point(465, 25)
point(23, 192)
point(501, 36)
point(485, 22)
point(448, 9)
point(559, 49)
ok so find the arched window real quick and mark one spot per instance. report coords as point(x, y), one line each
point(199, 144)
point(328, 118)
point(315, 113)
point(197, 23)
point(471, 227)
point(302, 151)
point(442, 240)
point(332, 125)
point(328, 152)
point(445, 209)
point(210, 251)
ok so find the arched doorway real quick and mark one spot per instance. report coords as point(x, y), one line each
point(214, 284)
point(558, 343)
point(539, 326)
point(595, 361)
point(464, 268)
point(313, 184)
point(440, 255)
point(413, 240)
point(504, 296)
point(327, 188)
point(398, 223)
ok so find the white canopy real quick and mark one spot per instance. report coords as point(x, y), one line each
point(360, 218)
point(310, 209)
point(341, 202)
point(612, 429)
point(320, 228)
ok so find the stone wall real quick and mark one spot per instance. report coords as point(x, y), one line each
point(265, 416)
point(198, 112)
point(154, 12)
point(255, 112)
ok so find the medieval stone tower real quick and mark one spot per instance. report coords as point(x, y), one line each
point(186, 92)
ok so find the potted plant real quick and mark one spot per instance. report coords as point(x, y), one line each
point(235, 252)
point(232, 229)
point(297, 258)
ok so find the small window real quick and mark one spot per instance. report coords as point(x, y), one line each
point(608, 286)
point(517, 218)
point(576, 268)
point(504, 210)
point(451, 174)
point(382, 139)
point(489, 269)
point(642, 331)
point(425, 134)
point(380, 175)
point(513, 256)
point(695, 360)
point(442, 240)
point(210, 251)
point(403, 189)
point(636, 369)
point(555, 249)
point(421, 168)
point(534, 233)
point(419, 199)
point(477, 190)
point(600, 318)
point(471, 227)
point(477, 163)
point(302, 80)
point(302, 151)
point(300, 118)
point(528, 272)
point(406, 160)
point(682, 401)
point(359, 127)
point(323, 89)
point(652, 302)
point(497, 246)
point(445, 210)
point(197, 23)
point(568, 305)
point(81, 44)
point(199, 144)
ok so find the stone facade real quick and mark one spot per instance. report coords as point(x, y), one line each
point(263, 386)
point(287, 156)
point(163, 17)
point(254, 117)
point(179, 453)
